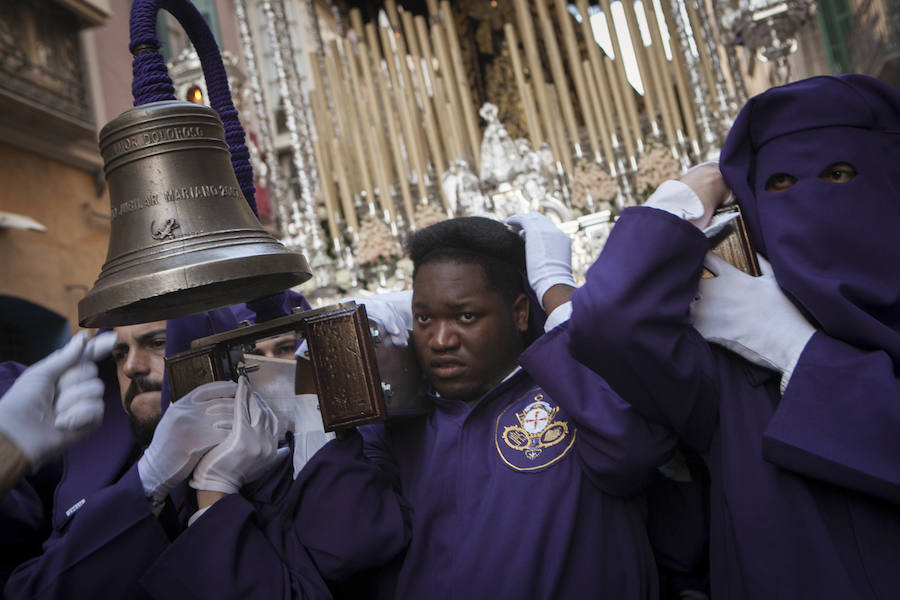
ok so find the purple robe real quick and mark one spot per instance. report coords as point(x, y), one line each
point(281, 537)
point(266, 309)
point(804, 487)
point(107, 543)
point(24, 510)
point(240, 548)
point(346, 511)
point(533, 491)
point(103, 533)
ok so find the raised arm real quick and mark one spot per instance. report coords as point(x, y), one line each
point(111, 536)
point(50, 406)
point(619, 449)
point(631, 324)
point(350, 515)
point(235, 550)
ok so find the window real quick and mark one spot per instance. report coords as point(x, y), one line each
point(173, 36)
point(41, 61)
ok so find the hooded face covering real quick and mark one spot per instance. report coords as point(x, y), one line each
point(832, 239)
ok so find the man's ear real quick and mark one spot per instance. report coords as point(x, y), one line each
point(520, 308)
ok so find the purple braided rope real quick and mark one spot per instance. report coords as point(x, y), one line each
point(151, 82)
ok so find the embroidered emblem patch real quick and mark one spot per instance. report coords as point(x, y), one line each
point(529, 436)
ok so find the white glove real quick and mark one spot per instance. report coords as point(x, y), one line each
point(392, 310)
point(188, 429)
point(750, 316)
point(396, 324)
point(711, 189)
point(248, 451)
point(56, 401)
point(548, 252)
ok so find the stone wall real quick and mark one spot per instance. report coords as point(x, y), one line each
point(53, 269)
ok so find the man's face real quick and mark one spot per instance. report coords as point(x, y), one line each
point(467, 337)
point(139, 356)
point(280, 346)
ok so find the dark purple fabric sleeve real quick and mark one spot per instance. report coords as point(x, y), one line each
point(839, 419)
point(24, 525)
point(225, 554)
point(23, 509)
point(100, 552)
point(351, 516)
point(631, 323)
point(619, 449)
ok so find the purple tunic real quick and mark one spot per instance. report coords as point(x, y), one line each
point(106, 542)
point(103, 532)
point(269, 308)
point(24, 510)
point(804, 488)
point(240, 548)
point(531, 492)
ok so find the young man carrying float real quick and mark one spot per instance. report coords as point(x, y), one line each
point(520, 482)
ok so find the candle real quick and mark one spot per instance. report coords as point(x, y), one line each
point(637, 45)
point(621, 82)
point(660, 94)
point(407, 119)
point(681, 78)
point(356, 23)
point(545, 110)
point(326, 173)
point(559, 75)
point(361, 145)
point(393, 137)
point(534, 126)
point(451, 90)
point(609, 68)
point(345, 192)
point(437, 158)
point(361, 119)
point(468, 109)
point(325, 127)
point(667, 83)
point(566, 157)
point(451, 129)
point(441, 116)
point(581, 87)
point(385, 192)
point(341, 106)
point(595, 98)
point(326, 183)
point(605, 116)
point(406, 78)
point(430, 122)
point(390, 7)
point(378, 153)
point(705, 59)
point(433, 10)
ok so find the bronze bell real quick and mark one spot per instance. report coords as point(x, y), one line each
point(182, 237)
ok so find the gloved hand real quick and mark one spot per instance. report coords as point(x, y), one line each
point(188, 429)
point(248, 451)
point(548, 252)
point(393, 311)
point(56, 401)
point(711, 189)
point(750, 316)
